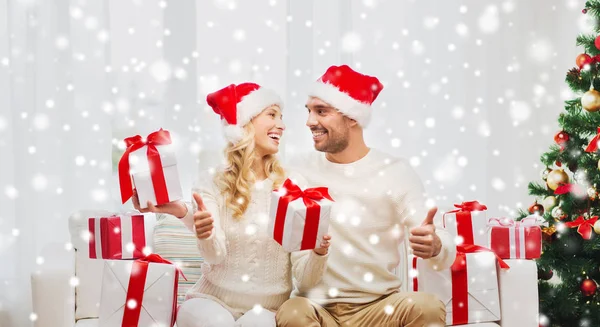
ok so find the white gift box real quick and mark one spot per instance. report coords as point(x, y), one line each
point(142, 179)
point(289, 228)
point(519, 293)
point(483, 304)
point(465, 225)
point(122, 236)
point(158, 291)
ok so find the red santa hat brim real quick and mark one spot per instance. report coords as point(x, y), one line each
point(343, 102)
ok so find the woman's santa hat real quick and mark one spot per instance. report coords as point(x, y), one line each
point(238, 104)
point(350, 92)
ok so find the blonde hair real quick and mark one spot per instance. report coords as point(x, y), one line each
point(235, 181)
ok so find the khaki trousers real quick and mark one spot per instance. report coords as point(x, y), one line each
point(396, 309)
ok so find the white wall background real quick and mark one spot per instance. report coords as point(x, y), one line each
point(472, 93)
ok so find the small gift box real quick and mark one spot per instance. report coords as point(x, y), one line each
point(120, 236)
point(511, 239)
point(299, 218)
point(139, 293)
point(468, 223)
point(152, 166)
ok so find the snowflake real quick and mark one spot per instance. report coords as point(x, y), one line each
point(417, 47)
point(431, 22)
point(489, 22)
point(498, 184)
point(415, 161)
point(41, 122)
point(351, 42)
point(333, 292)
point(74, 281)
point(541, 51)
point(39, 182)
point(462, 29)
point(374, 239)
point(520, 111)
point(239, 35)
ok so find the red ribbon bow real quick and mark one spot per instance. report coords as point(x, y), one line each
point(470, 206)
point(593, 146)
point(135, 290)
point(584, 227)
point(310, 196)
point(570, 188)
point(460, 282)
point(160, 137)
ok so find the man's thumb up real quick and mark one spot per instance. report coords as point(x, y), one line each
point(430, 215)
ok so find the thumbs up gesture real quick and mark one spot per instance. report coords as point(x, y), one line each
point(423, 240)
point(203, 221)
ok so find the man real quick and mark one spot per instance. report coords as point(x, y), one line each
point(379, 203)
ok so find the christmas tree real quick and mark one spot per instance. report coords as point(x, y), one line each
point(569, 268)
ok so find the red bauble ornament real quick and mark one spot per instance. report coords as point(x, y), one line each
point(558, 163)
point(582, 60)
point(588, 287)
point(535, 207)
point(561, 138)
point(584, 11)
point(597, 42)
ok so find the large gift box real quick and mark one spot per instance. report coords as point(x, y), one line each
point(299, 218)
point(139, 293)
point(152, 166)
point(469, 289)
point(468, 223)
point(511, 239)
point(121, 236)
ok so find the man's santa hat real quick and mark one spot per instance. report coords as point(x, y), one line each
point(238, 104)
point(350, 92)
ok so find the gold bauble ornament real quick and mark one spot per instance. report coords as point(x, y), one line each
point(556, 178)
point(590, 100)
point(549, 203)
point(597, 227)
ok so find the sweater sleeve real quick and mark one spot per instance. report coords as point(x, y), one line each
point(412, 210)
point(214, 248)
point(308, 268)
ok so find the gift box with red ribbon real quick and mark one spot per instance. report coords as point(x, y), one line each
point(511, 239)
point(152, 166)
point(468, 223)
point(139, 293)
point(121, 236)
point(299, 218)
point(469, 289)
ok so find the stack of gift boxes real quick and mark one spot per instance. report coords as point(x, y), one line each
point(139, 288)
point(485, 250)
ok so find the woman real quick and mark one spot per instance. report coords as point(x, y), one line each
point(246, 274)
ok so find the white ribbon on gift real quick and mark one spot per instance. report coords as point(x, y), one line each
point(517, 240)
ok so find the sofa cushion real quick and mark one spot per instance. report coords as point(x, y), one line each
point(174, 242)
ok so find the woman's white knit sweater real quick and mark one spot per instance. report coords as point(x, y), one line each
point(243, 265)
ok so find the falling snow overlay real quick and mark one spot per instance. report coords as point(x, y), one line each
point(473, 93)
